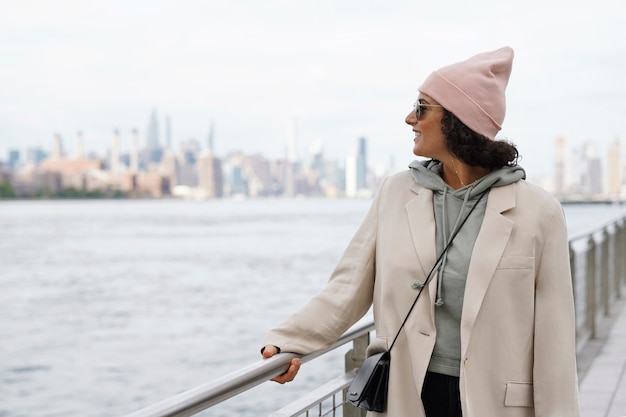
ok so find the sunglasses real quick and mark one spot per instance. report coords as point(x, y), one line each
point(420, 108)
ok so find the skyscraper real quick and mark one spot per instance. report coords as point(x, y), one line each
point(561, 165)
point(134, 152)
point(211, 138)
point(153, 131)
point(292, 152)
point(210, 178)
point(615, 168)
point(361, 165)
point(57, 147)
point(351, 175)
point(289, 186)
point(153, 147)
point(14, 158)
point(35, 155)
point(168, 132)
point(80, 146)
point(115, 151)
point(592, 180)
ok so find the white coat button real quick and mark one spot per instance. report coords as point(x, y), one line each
point(416, 284)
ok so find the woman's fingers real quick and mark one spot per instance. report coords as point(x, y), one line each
point(294, 367)
point(269, 351)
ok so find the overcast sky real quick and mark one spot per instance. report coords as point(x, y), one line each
point(341, 69)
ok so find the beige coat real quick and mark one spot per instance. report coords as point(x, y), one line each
point(517, 326)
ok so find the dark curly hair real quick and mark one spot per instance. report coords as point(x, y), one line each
point(475, 149)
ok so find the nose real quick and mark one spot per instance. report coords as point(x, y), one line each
point(411, 118)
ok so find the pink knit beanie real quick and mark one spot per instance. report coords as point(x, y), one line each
point(473, 90)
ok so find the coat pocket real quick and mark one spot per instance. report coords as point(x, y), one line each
point(519, 394)
point(516, 262)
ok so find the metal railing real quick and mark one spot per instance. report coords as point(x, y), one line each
point(207, 395)
point(598, 264)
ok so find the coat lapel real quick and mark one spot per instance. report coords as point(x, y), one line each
point(422, 224)
point(490, 243)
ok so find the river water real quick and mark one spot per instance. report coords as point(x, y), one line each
point(107, 306)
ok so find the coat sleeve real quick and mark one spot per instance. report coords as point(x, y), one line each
point(554, 371)
point(342, 302)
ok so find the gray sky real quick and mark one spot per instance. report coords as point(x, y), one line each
point(342, 69)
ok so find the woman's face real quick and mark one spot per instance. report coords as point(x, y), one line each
point(429, 140)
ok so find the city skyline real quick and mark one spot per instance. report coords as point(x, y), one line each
point(155, 168)
point(293, 150)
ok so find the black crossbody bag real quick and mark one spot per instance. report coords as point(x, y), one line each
point(368, 389)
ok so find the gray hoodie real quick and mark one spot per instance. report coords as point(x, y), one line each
point(450, 208)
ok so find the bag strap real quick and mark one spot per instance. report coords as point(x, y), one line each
point(431, 273)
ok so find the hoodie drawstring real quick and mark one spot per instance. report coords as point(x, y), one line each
point(446, 237)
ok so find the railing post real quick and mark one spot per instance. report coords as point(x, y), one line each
point(619, 259)
point(354, 359)
point(572, 266)
point(614, 272)
point(622, 253)
point(604, 272)
point(590, 280)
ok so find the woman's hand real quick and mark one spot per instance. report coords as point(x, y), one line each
point(294, 365)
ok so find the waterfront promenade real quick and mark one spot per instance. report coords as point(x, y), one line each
point(602, 368)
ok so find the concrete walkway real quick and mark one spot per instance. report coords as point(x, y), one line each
point(603, 372)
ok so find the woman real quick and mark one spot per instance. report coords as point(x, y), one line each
point(493, 333)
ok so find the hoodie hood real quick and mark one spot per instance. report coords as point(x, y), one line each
point(428, 174)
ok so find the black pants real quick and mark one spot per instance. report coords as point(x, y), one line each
point(440, 395)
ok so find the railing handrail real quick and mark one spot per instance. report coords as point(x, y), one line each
point(206, 395)
point(595, 229)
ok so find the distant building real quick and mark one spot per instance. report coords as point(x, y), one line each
point(169, 167)
point(80, 146)
point(235, 183)
point(211, 138)
point(168, 132)
point(153, 152)
point(357, 172)
point(134, 152)
point(13, 160)
point(72, 173)
point(592, 179)
point(30, 180)
point(35, 155)
point(258, 176)
point(561, 165)
point(615, 168)
point(187, 158)
point(351, 175)
point(361, 165)
point(332, 180)
point(210, 179)
point(5, 175)
point(57, 147)
point(152, 184)
point(115, 152)
point(239, 175)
